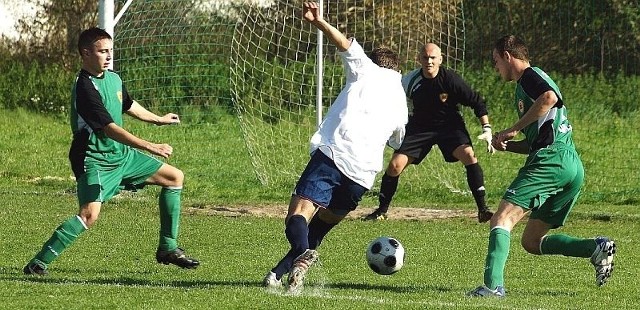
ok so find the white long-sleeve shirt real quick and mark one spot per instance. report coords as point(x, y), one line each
point(370, 111)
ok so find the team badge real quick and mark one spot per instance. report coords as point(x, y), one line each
point(521, 106)
point(120, 96)
point(443, 97)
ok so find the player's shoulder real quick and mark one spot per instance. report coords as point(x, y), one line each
point(411, 78)
point(411, 74)
point(533, 76)
point(449, 73)
point(83, 80)
point(112, 74)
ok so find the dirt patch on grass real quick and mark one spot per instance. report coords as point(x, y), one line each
point(280, 211)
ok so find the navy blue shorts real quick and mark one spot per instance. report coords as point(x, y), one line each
point(322, 183)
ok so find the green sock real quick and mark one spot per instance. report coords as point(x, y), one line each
point(169, 218)
point(61, 238)
point(499, 243)
point(567, 246)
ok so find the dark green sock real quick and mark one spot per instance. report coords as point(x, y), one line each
point(568, 246)
point(497, 254)
point(61, 238)
point(169, 218)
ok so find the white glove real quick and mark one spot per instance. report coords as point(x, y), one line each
point(486, 136)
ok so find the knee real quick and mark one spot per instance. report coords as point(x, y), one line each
point(175, 177)
point(179, 177)
point(395, 169)
point(465, 155)
point(89, 218)
point(531, 245)
point(330, 217)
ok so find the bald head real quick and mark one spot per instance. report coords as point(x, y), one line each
point(430, 48)
point(430, 57)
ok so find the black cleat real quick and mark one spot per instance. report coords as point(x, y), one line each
point(35, 269)
point(484, 215)
point(176, 257)
point(377, 215)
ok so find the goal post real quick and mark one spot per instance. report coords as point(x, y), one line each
point(259, 60)
point(107, 19)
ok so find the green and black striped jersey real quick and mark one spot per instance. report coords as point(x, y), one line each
point(95, 103)
point(554, 127)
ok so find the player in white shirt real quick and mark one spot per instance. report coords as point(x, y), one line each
point(346, 151)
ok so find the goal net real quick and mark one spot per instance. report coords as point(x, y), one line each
point(257, 59)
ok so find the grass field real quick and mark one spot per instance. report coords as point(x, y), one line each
point(112, 265)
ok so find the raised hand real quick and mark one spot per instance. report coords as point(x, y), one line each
point(311, 11)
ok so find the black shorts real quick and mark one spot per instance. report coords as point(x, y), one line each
point(418, 144)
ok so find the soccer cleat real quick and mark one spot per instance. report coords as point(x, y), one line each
point(300, 267)
point(377, 215)
point(35, 269)
point(176, 257)
point(484, 215)
point(602, 259)
point(483, 291)
point(270, 281)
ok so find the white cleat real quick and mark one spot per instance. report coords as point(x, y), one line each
point(270, 281)
point(300, 267)
point(602, 259)
point(483, 291)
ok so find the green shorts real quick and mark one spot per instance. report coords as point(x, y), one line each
point(549, 184)
point(101, 182)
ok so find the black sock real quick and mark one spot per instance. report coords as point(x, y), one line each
point(317, 230)
point(297, 233)
point(388, 187)
point(475, 179)
point(284, 265)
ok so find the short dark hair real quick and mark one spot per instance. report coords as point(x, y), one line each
point(514, 45)
point(90, 36)
point(385, 57)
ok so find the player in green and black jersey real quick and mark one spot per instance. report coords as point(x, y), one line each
point(106, 158)
point(548, 185)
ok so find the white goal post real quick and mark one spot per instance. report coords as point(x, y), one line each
point(260, 59)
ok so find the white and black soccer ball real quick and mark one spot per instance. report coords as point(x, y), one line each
point(385, 255)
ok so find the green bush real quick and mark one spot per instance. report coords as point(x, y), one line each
point(34, 86)
point(201, 83)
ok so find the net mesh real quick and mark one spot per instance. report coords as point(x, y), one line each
point(258, 59)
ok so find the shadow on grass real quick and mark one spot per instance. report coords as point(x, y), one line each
point(389, 288)
point(16, 275)
point(129, 281)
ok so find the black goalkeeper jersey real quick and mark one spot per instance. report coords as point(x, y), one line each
point(436, 101)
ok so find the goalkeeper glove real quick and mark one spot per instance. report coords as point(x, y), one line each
point(486, 136)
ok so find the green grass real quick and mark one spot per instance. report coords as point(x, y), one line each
point(112, 265)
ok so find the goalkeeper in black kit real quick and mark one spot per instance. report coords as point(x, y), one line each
point(436, 94)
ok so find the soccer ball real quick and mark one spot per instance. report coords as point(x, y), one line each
point(385, 255)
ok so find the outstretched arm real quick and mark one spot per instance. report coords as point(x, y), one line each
point(311, 13)
point(139, 112)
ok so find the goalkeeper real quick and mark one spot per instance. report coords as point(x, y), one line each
point(346, 151)
point(436, 93)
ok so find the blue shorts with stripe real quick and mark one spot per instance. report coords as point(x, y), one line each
point(326, 186)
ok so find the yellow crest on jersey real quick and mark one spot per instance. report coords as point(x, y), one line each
point(521, 106)
point(444, 97)
point(119, 93)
